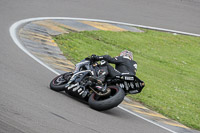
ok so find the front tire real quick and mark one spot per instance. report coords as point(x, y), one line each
point(101, 103)
point(58, 83)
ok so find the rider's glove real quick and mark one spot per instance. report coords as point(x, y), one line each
point(94, 57)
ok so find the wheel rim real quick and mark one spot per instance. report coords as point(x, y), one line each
point(59, 80)
point(114, 91)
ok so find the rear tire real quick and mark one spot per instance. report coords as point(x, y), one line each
point(100, 104)
point(58, 83)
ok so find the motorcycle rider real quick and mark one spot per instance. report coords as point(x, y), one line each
point(124, 64)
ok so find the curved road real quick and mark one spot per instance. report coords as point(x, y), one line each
point(28, 105)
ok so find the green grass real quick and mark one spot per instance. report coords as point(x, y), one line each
point(169, 64)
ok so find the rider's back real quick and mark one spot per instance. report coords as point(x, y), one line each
point(126, 65)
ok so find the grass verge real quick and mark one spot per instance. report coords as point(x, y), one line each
point(169, 64)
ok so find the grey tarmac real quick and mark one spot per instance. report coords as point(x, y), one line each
point(26, 102)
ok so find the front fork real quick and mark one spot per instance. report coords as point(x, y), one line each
point(77, 77)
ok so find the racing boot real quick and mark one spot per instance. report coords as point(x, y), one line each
point(98, 84)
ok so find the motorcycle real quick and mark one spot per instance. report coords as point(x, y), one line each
point(81, 84)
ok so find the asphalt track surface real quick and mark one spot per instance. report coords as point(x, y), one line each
point(27, 105)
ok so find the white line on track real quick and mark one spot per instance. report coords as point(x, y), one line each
point(107, 21)
point(146, 119)
point(15, 26)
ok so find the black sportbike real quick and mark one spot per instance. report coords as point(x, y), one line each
point(81, 85)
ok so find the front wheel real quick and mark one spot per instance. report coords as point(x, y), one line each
point(58, 83)
point(101, 103)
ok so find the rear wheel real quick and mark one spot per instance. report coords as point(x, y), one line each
point(101, 103)
point(58, 83)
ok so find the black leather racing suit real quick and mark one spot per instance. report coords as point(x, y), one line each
point(123, 65)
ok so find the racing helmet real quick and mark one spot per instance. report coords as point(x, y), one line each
point(127, 53)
